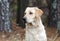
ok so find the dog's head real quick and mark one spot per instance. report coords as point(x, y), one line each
point(32, 13)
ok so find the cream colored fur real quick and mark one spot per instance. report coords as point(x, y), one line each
point(34, 28)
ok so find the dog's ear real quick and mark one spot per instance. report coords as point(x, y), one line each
point(38, 11)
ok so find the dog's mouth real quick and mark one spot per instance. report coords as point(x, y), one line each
point(30, 24)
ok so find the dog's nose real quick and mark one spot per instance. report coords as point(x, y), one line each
point(24, 19)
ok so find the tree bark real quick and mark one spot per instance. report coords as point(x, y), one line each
point(22, 4)
point(52, 17)
point(5, 24)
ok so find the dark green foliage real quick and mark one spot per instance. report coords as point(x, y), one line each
point(13, 9)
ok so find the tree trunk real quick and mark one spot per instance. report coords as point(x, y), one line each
point(22, 4)
point(5, 24)
point(52, 18)
point(58, 16)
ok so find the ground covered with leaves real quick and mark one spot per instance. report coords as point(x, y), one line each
point(18, 34)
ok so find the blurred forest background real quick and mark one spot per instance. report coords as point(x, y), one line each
point(13, 9)
point(50, 18)
point(45, 5)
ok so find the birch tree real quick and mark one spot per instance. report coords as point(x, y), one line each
point(5, 24)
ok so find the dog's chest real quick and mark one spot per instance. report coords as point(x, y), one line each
point(35, 33)
point(31, 34)
point(35, 29)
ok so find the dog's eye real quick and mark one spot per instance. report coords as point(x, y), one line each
point(30, 13)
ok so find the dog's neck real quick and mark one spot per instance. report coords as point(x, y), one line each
point(35, 23)
point(38, 21)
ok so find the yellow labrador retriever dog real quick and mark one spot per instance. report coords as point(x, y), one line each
point(34, 28)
